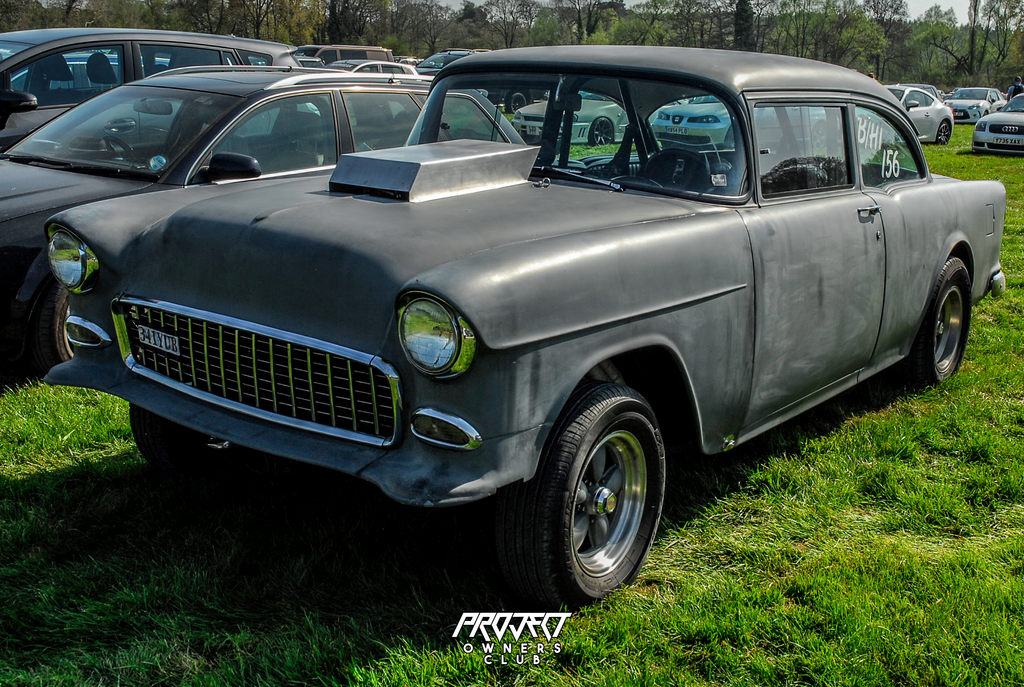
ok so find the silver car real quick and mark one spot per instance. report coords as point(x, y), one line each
point(971, 104)
point(1003, 131)
point(932, 117)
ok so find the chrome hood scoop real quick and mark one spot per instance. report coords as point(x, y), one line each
point(434, 170)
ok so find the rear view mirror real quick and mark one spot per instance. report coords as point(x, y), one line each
point(153, 106)
point(227, 166)
point(15, 101)
point(913, 103)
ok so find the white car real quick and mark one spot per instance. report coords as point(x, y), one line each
point(695, 121)
point(1003, 131)
point(599, 121)
point(932, 117)
point(372, 67)
point(971, 104)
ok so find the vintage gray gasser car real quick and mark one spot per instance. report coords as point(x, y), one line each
point(471, 315)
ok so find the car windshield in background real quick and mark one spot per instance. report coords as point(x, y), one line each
point(1015, 105)
point(438, 61)
point(971, 94)
point(649, 135)
point(141, 129)
point(8, 48)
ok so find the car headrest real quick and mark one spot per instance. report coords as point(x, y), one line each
point(54, 68)
point(98, 69)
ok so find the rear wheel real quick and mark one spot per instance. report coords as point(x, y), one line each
point(602, 132)
point(941, 342)
point(944, 133)
point(50, 345)
point(584, 524)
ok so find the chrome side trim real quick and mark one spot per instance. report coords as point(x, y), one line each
point(94, 329)
point(475, 440)
point(373, 361)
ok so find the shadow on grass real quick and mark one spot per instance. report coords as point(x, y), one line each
point(15, 376)
point(271, 558)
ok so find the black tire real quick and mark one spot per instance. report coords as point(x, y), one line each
point(602, 132)
point(50, 345)
point(944, 133)
point(941, 342)
point(536, 521)
point(516, 100)
point(170, 447)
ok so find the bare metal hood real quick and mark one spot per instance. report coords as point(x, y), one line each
point(434, 170)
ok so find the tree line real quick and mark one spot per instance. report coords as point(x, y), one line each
point(877, 36)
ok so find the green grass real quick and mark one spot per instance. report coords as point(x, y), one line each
point(876, 540)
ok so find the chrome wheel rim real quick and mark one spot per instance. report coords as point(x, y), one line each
point(518, 101)
point(609, 500)
point(948, 326)
point(943, 137)
point(602, 131)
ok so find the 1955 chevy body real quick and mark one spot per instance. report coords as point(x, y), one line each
point(470, 314)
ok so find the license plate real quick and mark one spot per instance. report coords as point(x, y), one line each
point(681, 130)
point(960, 115)
point(533, 131)
point(168, 343)
point(1008, 141)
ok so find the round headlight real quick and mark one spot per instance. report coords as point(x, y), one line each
point(436, 340)
point(71, 261)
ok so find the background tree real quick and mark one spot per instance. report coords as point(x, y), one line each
point(743, 26)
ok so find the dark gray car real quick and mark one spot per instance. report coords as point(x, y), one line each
point(63, 67)
point(166, 132)
point(472, 316)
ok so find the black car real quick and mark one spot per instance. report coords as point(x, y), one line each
point(189, 127)
point(436, 62)
point(63, 67)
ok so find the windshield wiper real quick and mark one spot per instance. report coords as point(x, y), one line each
point(574, 175)
point(73, 167)
point(29, 159)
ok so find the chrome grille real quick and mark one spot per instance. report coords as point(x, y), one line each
point(287, 376)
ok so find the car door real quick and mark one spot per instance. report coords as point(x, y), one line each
point(819, 259)
point(61, 79)
point(921, 108)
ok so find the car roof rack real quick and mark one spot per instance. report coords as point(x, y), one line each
point(333, 76)
point(220, 68)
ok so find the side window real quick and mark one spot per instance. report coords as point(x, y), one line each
point(69, 77)
point(885, 156)
point(368, 68)
point(157, 58)
point(464, 117)
point(800, 148)
point(392, 69)
point(256, 59)
point(228, 57)
point(286, 134)
point(380, 120)
point(918, 99)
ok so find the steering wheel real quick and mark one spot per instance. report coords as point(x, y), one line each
point(118, 144)
point(663, 168)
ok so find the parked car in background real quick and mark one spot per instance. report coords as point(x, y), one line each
point(1003, 131)
point(472, 315)
point(408, 59)
point(333, 53)
point(697, 121)
point(372, 67)
point(931, 90)
point(313, 62)
point(971, 104)
point(599, 120)
point(437, 61)
point(932, 117)
point(187, 127)
point(63, 67)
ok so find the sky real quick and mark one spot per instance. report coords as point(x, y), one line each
point(919, 7)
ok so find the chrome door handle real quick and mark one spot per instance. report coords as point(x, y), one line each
point(869, 210)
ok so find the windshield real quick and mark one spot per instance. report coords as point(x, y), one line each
point(1016, 104)
point(137, 128)
point(438, 61)
point(649, 135)
point(8, 48)
point(970, 94)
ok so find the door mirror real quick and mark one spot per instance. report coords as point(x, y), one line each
point(227, 166)
point(15, 101)
point(913, 103)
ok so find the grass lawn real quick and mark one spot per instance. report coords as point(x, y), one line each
point(876, 540)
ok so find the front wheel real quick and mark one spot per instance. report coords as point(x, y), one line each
point(941, 342)
point(944, 132)
point(50, 345)
point(170, 447)
point(584, 524)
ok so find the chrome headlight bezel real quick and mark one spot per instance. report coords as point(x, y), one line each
point(465, 338)
point(89, 264)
